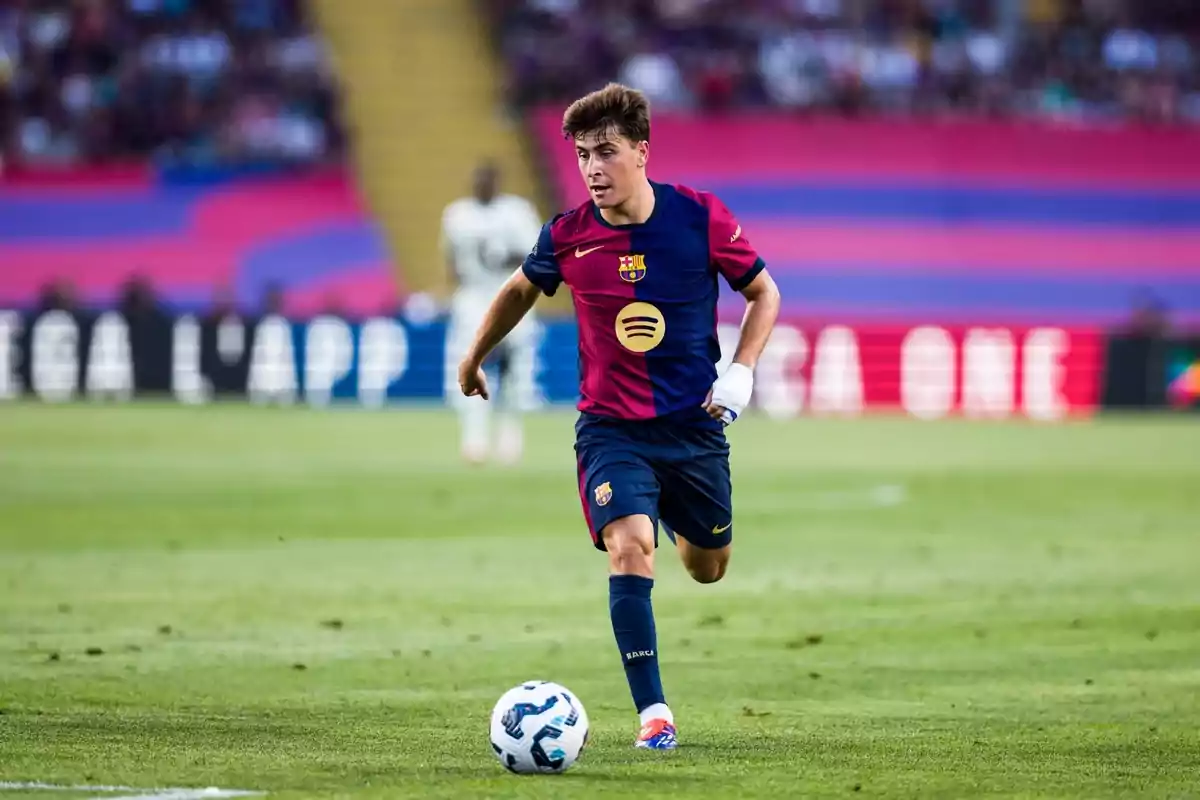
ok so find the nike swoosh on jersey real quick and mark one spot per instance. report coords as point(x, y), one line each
point(581, 253)
point(721, 529)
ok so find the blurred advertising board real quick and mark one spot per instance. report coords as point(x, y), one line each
point(928, 372)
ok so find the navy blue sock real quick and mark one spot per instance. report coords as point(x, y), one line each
point(633, 625)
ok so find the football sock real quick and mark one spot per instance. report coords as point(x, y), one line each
point(510, 437)
point(633, 625)
point(656, 711)
point(475, 426)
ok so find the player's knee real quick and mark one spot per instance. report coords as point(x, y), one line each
point(630, 547)
point(628, 556)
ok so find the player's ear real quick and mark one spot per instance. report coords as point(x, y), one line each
point(643, 153)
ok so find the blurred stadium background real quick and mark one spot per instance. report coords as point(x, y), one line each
point(980, 190)
point(974, 208)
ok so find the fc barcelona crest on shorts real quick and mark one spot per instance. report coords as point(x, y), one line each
point(632, 268)
point(603, 494)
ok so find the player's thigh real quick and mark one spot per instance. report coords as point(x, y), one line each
point(615, 482)
point(518, 390)
point(697, 502)
point(457, 346)
point(467, 310)
point(461, 326)
point(519, 359)
point(526, 334)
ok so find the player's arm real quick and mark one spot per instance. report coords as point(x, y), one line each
point(745, 272)
point(446, 245)
point(762, 309)
point(538, 275)
point(514, 300)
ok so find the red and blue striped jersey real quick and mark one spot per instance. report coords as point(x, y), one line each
point(645, 298)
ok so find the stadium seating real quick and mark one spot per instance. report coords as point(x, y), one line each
point(307, 235)
point(417, 141)
point(1065, 59)
point(230, 120)
point(1012, 220)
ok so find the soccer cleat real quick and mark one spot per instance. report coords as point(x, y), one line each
point(657, 734)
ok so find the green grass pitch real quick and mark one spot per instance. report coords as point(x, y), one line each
point(326, 604)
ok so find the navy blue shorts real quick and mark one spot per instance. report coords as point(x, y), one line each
point(677, 474)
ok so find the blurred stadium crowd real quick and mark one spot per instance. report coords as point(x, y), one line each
point(208, 81)
point(201, 81)
point(1089, 60)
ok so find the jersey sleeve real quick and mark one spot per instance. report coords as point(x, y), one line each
point(729, 249)
point(541, 266)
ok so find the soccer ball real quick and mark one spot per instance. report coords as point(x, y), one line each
point(538, 726)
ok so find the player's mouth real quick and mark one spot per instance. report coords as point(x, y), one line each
point(599, 192)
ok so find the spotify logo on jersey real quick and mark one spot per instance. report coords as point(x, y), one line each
point(640, 327)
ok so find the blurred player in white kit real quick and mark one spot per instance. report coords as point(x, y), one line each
point(485, 237)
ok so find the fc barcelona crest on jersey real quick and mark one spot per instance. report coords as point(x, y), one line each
point(603, 494)
point(632, 268)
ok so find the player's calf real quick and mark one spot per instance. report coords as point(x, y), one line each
point(704, 564)
point(630, 544)
point(510, 438)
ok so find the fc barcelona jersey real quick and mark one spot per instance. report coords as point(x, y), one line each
point(646, 299)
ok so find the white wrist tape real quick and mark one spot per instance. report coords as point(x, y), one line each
point(732, 391)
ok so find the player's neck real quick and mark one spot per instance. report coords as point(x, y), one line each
point(634, 211)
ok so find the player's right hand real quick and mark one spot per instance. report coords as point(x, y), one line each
point(472, 380)
point(730, 393)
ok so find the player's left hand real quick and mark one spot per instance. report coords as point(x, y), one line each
point(730, 394)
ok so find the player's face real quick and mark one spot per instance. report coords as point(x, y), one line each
point(610, 165)
point(487, 179)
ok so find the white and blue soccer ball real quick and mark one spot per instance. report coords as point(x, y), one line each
point(538, 726)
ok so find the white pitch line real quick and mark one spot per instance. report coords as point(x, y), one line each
point(130, 792)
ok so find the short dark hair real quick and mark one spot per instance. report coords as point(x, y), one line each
point(615, 107)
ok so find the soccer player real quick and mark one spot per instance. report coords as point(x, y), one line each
point(642, 260)
point(484, 237)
